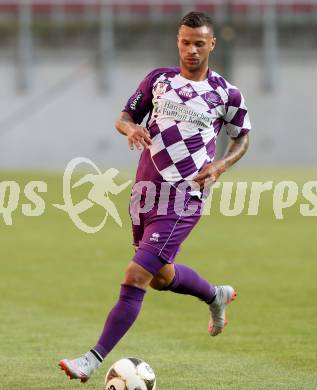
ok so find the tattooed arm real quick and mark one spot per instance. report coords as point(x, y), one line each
point(236, 149)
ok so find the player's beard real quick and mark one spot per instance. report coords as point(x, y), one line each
point(191, 67)
point(195, 67)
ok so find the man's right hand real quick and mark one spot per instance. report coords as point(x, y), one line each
point(137, 136)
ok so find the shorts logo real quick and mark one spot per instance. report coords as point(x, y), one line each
point(136, 100)
point(186, 91)
point(155, 237)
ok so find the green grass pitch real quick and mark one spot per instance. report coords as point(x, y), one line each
point(57, 284)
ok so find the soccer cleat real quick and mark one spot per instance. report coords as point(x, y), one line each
point(81, 368)
point(218, 319)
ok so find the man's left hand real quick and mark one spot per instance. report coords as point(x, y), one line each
point(210, 173)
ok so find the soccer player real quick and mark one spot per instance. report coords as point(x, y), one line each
point(187, 106)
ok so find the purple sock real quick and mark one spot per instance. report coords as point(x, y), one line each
point(187, 281)
point(121, 318)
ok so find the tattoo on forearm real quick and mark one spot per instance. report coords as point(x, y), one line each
point(123, 122)
point(236, 149)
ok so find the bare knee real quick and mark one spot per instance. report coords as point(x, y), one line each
point(137, 276)
point(158, 283)
point(164, 277)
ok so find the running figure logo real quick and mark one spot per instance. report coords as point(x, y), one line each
point(103, 185)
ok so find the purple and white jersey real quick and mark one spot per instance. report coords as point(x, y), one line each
point(185, 118)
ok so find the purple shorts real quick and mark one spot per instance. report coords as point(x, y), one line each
point(158, 237)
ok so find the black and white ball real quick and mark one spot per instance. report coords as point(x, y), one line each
point(130, 374)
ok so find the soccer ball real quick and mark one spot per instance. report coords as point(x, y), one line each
point(130, 374)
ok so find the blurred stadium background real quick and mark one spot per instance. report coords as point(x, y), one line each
point(67, 68)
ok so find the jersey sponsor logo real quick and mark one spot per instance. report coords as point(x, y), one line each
point(136, 100)
point(186, 91)
point(181, 113)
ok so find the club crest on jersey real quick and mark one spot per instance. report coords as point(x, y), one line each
point(213, 98)
point(186, 91)
point(161, 88)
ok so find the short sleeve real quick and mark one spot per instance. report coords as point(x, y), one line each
point(140, 103)
point(236, 119)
